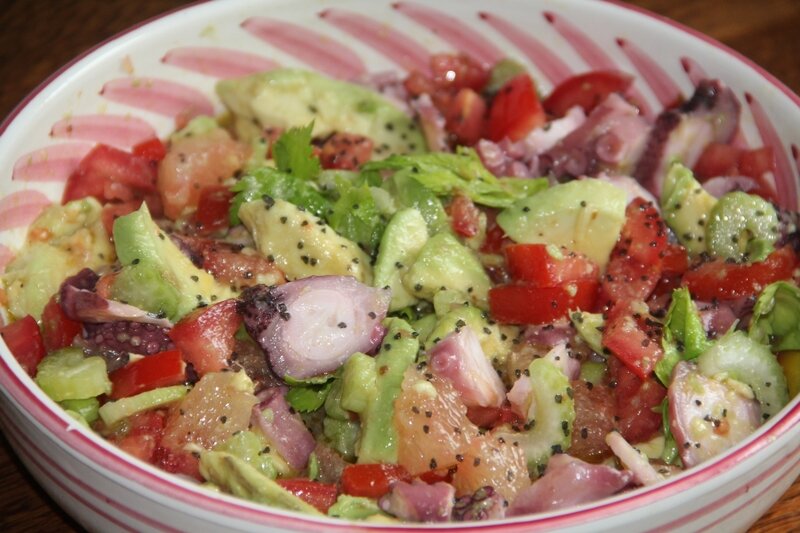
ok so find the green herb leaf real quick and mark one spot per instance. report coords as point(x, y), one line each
point(310, 398)
point(684, 334)
point(293, 153)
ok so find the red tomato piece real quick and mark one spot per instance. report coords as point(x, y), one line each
point(440, 474)
point(586, 90)
point(152, 149)
point(526, 304)
point(729, 281)
point(158, 370)
point(515, 110)
point(240, 270)
point(634, 339)
point(320, 495)
point(496, 238)
point(212, 209)
point(637, 403)
point(644, 234)
point(458, 71)
point(490, 417)
point(417, 83)
point(345, 151)
point(465, 117)
point(717, 159)
point(58, 331)
point(113, 211)
point(725, 160)
point(24, 341)
point(594, 419)
point(143, 436)
point(205, 336)
point(464, 216)
point(757, 162)
point(534, 264)
point(371, 480)
point(628, 280)
point(108, 174)
point(177, 462)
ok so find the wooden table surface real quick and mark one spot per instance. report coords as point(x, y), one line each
point(38, 36)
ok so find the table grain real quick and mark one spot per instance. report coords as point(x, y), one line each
point(39, 36)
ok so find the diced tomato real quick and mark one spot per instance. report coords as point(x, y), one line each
point(628, 280)
point(586, 90)
point(725, 160)
point(464, 216)
point(644, 234)
point(534, 264)
point(637, 403)
point(345, 151)
point(721, 280)
point(526, 304)
point(674, 259)
point(157, 370)
point(212, 209)
point(177, 462)
point(458, 71)
point(371, 480)
point(594, 419)
point(152, 149)
point(466, 117)
point(320, 495)
point(240, 270)
point(489, 417)
point(496, 238)
point(636, 261)
point(110, 174)
point(24, 341)
point(58, 331)
point(143, 434)
point(757, 162)
point(717, 159)
point(439, 475)
point(634, 339)
point(205, 336)
point(515, 110)
point(417, 83)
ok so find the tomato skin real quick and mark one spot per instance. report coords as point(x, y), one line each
point(345, 151)
point(157, 370)
point(143, 436)
point(729, 281)
point(152, 149)
point(490, 417)
point(720, 159)
point(526, 304)
point(464, 216)
point(109, 174)
point(627, 280)
point(212, 209)
point(533, 263)
point(637, 403)
point(496, 238)
point(372, 480)
point(58, 331)
point(457, 71)
point(205, 336)
point(515, 110)
point(320, 495)
point(465, 117)
point(626, 335)
point(177, 462)
point(24, 341)
point(586, 90)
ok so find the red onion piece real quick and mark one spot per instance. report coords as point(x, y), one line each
point(419, 502)
point(283, 427)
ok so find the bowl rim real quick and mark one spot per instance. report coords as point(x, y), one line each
point(119, 463)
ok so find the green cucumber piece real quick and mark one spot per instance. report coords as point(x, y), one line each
point(742, 226)
point(67, 375)
point(87, 409)
point(739, 357)
point(113, 412)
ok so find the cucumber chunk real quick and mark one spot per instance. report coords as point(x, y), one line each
point(113, 412)
point(742, 226)
point(68, 375)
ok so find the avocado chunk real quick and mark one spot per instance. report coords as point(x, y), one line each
point(583, 215)
point(301, 244)
point(686, 206)
point(287, 98)
point(496, 343)
point(237, 477)
point(61, 241)
point(742, 226)
point(370, 387)
point(550, 416)
point(139, 241)
point(404, 237)
point(143, 285)
point(444, 263)
point(253, 448)
point(355, 508)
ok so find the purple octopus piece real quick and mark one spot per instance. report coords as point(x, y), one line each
point(484, 504)
point(127, 336)
point(311, 326)
point(283, 427)
point(419, 502)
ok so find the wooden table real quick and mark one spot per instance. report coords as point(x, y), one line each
point(38, 36)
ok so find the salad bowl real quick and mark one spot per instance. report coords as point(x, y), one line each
point(141, 82)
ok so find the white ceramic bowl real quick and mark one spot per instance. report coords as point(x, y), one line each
point(138, 82)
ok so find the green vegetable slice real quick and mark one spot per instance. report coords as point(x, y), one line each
point(776, 316)
point(742, 226)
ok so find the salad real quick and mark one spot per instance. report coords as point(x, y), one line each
point(444, 297)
